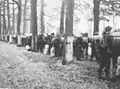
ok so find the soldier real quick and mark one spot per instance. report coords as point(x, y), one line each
point(105, 54)
point(74, 46)
point(93, 54)
point(50, 42)
point(78, 51)
point(41, 42)
point(56, 44)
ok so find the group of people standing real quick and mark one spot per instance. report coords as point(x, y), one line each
point(49, 44)
point(100, 49)
point(54, 45)
point(106, 51)
point(80, 47)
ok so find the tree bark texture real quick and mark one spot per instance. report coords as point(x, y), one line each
point(8, 16)
point(34, 24)
point(13, 18)
point(4, 19)
point(42, 17)
point(96, 16)
point(19, 18)
point(24, 17)
point(62, 16)
point(69, 32)
point(0, 20)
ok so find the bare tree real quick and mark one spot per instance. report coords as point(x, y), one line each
point(24, 17)
point(96, 16)
point(0, 20)
point(62, 17)
point(69, 32)
point(13, 18)
point(42, 17)
point(18, 3)
point(34, 24)
point(8, 16)
point(4, 19)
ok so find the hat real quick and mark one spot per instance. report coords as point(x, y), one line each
point(108, 29)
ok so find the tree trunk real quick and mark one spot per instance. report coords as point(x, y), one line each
point(4, 19)
point(42, 17)
point(69, 17)
point(1, 7)
point(34, 24)
point(0, 21)
point(8, 15)
point(30, 24)
point(24, 17)
point(69, 32)
point(96, 16)
point(62, 17)
point(19, 18)
point(19, 5)
point(13, 19)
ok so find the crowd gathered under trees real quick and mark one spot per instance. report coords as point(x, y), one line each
point(54, 45)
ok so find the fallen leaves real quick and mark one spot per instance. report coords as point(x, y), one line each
point(45, 72)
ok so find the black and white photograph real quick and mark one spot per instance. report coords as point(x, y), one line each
point(59, 44)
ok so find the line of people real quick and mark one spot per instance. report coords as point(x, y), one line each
point(48, 44)
point(99, 49)
point(54, 45)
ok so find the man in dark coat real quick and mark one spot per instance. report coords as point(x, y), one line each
point(105, 53)
point(50, 42)
point(41, 42)
point(104, 60)
point(78, 45)
point(56, 42)
point(93, 54)
point(95, 50)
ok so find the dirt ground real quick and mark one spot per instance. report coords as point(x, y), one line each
point(21, 69)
